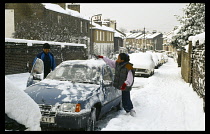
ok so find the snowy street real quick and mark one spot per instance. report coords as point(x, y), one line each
point(163, 101)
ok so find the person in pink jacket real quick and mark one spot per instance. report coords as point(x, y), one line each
point(123, 79)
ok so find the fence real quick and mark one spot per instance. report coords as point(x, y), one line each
point(186, 64)
point(193, 68)
point(20, 53)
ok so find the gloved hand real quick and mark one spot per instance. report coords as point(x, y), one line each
point(123, 86)
point(99, 56)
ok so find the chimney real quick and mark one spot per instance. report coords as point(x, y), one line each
point(74, 6)
point(154, 31)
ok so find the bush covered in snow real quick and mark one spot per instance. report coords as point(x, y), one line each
point(192, 23)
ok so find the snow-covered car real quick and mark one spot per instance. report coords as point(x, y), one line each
point(76, 94)
point(160, 58)
point(143, 64)
point(155, 59)
point(165, 58)
point(21, 112)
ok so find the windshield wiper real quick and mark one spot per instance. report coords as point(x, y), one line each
point(86, 82)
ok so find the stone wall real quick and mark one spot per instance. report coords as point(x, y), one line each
point(198, 70)
point(19, 56)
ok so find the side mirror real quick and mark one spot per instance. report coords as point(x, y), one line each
point(39, 76)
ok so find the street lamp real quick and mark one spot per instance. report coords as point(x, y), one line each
point(91, 37)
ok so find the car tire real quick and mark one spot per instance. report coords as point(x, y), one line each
point(91, 120)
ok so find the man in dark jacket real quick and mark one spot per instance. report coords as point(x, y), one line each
point(48, 59)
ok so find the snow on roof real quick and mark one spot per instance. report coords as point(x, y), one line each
point(141, 36)
point(105, 28)
point(127, 34)
point(57, 8)
point(30, 42)
point(198, 37)
point(153, 35)
point(118, 34)
point(133, 35)
point(21, 107)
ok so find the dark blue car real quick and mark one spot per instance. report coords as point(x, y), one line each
point(76, 94)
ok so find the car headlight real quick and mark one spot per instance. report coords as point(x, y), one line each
point(69, 107)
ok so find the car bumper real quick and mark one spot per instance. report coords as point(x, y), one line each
point(68, 121)
point(141, 74)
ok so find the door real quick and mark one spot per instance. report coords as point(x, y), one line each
point(37, 72)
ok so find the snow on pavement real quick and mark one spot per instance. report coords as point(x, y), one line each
point(162, 102)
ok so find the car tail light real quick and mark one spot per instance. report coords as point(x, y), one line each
point(78, 108)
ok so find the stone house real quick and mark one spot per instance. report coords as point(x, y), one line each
point(130, 40)
point(49, 22)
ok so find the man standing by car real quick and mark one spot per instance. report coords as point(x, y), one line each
point(48, 59)
point(123, 79)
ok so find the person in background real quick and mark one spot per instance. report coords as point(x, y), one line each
point(123, 79)
point(48, 59)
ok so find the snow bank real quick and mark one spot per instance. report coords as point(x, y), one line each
point(20, 107)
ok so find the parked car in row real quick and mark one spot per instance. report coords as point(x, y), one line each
point(160, 58)
point(143, 64)
point(155, 59)
point(76, 94)
point(165, 58)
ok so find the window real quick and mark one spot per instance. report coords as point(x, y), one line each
point(59, 19)
point(100, 35)
point(107, 36)
point(97, 35)
point(103, 36)
point(81, 26)
point(107, 74)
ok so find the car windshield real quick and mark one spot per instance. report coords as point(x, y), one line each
point(76, 73)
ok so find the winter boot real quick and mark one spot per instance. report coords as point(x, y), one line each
point(133, 113)
point(127, 113)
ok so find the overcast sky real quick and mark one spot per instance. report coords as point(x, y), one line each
point(130, 16)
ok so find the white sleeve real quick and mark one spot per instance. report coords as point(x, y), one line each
point(111, 63)
point(129, 79)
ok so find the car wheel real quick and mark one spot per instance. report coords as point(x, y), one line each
point(91, 120)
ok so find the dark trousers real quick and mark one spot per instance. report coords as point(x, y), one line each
point(126, 101)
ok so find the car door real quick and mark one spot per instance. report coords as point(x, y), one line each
point(37, 72)
point(111, 93)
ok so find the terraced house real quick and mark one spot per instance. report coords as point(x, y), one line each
point(102, 39)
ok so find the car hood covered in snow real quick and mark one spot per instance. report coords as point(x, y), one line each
point(51, 92)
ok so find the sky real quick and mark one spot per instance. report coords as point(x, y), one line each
point(133, 16)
